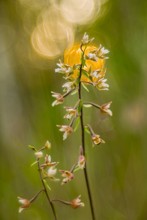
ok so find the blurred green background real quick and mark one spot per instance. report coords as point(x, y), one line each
point(33, 36)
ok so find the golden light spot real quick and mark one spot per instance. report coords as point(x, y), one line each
point(52, 34)
point(78, 12)
point(73, 56)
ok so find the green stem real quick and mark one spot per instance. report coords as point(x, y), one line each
point(83, 140)
point(46, 193)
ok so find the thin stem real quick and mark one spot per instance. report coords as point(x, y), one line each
point(93, 104)
point(35, 197)
point(83, 141)
point(46, 193)
point(61, 201)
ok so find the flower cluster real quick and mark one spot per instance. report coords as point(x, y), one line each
point(84, 65)
point(48, 171)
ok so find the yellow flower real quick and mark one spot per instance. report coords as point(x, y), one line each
point(73, 56)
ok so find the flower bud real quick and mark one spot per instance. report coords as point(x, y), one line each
point(38, 154)
point(47, 145)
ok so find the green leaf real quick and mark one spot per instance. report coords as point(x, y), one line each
point(32, 147)
point(77, 169)
point(87, 130)
point(76, 66)
point(77, 124)
point(87, 105)
point(46, 184)
point(85, 87)
point(85, 73)
point(74, 92)
point(34, 163)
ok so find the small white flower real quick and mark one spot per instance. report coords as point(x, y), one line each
point(64, 69)
point(51, 172)
point(96, 74)
point(102, 52)
point(66, 129)
point(85, 40)
point(38, 154)
point(25, 203)
point(48, 162)
point(105, 108)
point(70, 112)
point(101, 84)
point(68, 86)
point(92, 56)
point(59, 98)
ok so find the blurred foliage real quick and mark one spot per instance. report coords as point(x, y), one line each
point(118, 169)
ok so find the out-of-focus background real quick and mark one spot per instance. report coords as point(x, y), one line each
point(33, 36)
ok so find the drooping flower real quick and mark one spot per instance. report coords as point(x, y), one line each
point(97, 139)
point(25, 203)
point(81, 162)
point(68, 86)
point(67, 129)
point(76, 203)
point(64, 68)
point(102, 52)
point(59, 98)
point(67, 176)
point(51, 172)
point(71, 112)
point(105, 108)
point(101, 84)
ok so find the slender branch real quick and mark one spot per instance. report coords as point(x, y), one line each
point(83, 140)
point(35, 197)
point(46, 193)
point(67, 93)
point(61, 201)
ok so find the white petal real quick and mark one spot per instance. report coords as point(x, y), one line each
point(20, 209)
